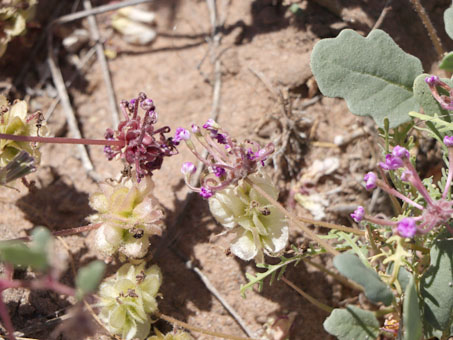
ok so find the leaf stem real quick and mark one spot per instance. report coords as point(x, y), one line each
point(310, 298)
point(295, 219)
point(182, 324)
point(61, 140)
point(6, 318)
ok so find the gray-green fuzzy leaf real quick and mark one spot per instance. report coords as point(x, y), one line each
point(373, 74)
point(411, 313)
point(425, 99)
point(447, 62)
point(375, 289)
point(89, 277)
point(35, 255)
point(448, 21)
point(352, 323)
point(436, 286)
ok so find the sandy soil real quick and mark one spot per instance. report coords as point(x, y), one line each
point(258, 39)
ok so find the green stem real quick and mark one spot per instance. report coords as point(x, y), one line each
point(61, 140)
point(310, 298)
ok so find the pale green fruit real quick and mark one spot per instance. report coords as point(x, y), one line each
point(14, 120)
point(259, 226)
point(128, 299)
point(129, 214)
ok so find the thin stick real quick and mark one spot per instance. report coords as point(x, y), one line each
point(197, 329)
point(380, 20)
point(96, 36)
point(97, 10)
point(219, 297)
point(310, 298)
point(429, 27)
point(67, 108)
point(294, 219)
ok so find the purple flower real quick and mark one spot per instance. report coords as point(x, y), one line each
point(218, 171)
point(220, 137)
point(400, 152)
point(195, 129)
point(370, 180)
point(206, 192)
point(407, 227)
point(181, 134)
point(432, 80)
point(406, 176)
point(391, 162)
point(250, 154)
point(188, 168)
point(358, 214)
point(448, 141)
point(211, 125)
point(147, 104)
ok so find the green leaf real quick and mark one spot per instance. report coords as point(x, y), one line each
point(411, 313)
point(448, 21)
point(89, 277)
point(447, 62)
point(352, 323)
point(36, 255)
point(425, 99)
point(436, 286)
point(373, 74)
point(375, 289)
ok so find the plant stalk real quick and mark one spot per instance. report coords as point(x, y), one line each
point(61, 140)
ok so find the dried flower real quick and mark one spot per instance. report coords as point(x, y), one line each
point(13, 18)
point(258, 225)
point(129, 214)
point(228, 161)
point(144, 147)
point(128, 298)
point(175, 335)
point(15, 120)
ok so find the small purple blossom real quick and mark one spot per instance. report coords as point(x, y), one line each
point(181, 134)
point(358, 214)
point(188, 168)
point(370, 180)
point(206, 192)
point(448, 141)
point(218, 171)
point(391, 162)
point(195, 129)
point(432, 80)
point(211, 125)
point(400, 152)
point(220, 137)
point(407, 227)
point(147, 104)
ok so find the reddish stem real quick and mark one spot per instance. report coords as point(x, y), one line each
point(61, 140)
point(6, 319)
point(65, 232)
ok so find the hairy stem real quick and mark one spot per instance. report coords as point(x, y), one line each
point(61, 140)
point(294, 219)
point(197, 329)
point(450, 173)
point(310, 298)
point(429, 27)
